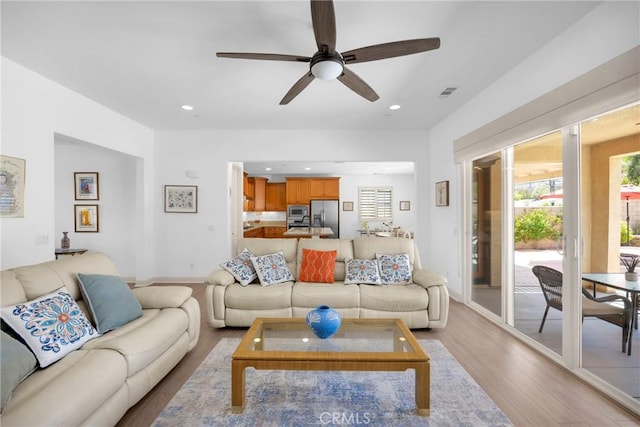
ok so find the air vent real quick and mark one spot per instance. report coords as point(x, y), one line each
point(448, 91)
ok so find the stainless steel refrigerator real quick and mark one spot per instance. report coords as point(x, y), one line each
point(325, 213)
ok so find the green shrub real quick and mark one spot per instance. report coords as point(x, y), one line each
point(623, 233)
point(537, 224)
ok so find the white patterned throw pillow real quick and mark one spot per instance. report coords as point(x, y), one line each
point(272, 268)
point(52, 325)
point(362, 271)
point(241, 267)
point(395, 269)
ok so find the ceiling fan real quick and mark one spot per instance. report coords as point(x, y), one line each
point(328, 64)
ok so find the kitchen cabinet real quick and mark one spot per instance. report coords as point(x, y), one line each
point(256, 232)
point(324, 188)
point(276, 197)
point(298, 191)
point(274, 232)
point(259, 194)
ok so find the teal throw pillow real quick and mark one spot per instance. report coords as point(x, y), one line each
point(17, 363)
point(110, 301)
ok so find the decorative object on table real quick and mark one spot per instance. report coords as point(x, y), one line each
point(405, 205)
point(442, 193)
point(630, 264)
point(12, 175)
point(86, 185)
point(347, 206)
point(65, 242)
point(324, 321)
point(86, 218)
point(181, 198)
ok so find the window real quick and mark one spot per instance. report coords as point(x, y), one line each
point(375, 203)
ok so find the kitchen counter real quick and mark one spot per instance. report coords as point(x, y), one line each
point(309, 232)
point(262, 224)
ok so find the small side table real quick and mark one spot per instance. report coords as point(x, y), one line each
point(71, 252)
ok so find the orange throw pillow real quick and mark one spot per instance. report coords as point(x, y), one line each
point(317, 266)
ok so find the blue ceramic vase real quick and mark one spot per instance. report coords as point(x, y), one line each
point(324, 321)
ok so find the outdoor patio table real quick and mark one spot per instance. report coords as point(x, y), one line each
point(617, 281)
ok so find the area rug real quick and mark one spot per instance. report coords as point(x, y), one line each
point(308, 398)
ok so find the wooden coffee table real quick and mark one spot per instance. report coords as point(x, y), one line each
point(359, 345)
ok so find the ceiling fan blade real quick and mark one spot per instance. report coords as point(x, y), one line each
point(297, 88)
point(264, 56)
point(390, 50)
point(323, 17)
point(356, 84)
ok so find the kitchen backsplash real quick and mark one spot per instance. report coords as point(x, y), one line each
point(264, 216)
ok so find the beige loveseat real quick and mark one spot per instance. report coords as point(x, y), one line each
point(96, 384)
point(424, 303)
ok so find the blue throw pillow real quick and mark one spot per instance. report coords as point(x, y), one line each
point(362, 271)
point(272, 268)
point(110, 301)
point(241, 267)
point(395, 269)
point(17, 363)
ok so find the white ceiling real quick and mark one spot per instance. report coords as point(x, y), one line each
point(145, 59)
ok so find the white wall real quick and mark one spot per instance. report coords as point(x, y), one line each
point(116, 204)
point(192, 245)
point(34, 110)
point(606, 32)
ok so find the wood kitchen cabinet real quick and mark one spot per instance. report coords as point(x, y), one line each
point(274, 232)
point(256, 232)
point(259, 194)
point(324, 188)
point(276, 197)
point(298, 191)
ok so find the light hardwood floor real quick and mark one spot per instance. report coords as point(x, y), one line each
point(529, 388)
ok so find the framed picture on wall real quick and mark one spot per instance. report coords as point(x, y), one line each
point(12, 176)
point(347, 206)
point(86, 218)
point(442, 193)
point(86, 184)
point(181, 198)
point(405, 205)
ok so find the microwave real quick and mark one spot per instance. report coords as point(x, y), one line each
point(297, 211)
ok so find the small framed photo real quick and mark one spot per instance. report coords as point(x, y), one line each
point(181, 198)
point(86, 184)
point(86, 218)
point(12, 176)
point(405, 205)
point(347, 206)
point(442, 193)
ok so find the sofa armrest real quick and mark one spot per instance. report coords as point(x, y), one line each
point(220, 277)
point(162, 296)
point(427, 278)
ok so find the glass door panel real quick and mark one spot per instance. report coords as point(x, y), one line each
point(537, 230)
point(487, 233)
point(610, 151)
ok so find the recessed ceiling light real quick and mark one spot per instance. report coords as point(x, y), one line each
point(307, 169)
point(395, 107)
point(267, 169)
point(187, 107)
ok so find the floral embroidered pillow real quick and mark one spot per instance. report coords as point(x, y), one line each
point(241, 267)
point(52, 325)
point(272, 268)
point(395, 269)
point(362, 271)
point(317, 266)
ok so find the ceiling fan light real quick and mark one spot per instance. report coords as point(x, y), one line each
point(328, 69)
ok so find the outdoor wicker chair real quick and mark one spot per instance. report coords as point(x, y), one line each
point(600, 307)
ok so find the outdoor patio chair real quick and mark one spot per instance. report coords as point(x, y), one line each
point(600, 307)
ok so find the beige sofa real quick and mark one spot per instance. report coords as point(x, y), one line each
point(97, 384)
point(421, 304)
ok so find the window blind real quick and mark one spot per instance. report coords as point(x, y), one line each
point(375, 203)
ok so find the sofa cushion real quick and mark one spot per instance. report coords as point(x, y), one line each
point(368, 247)
point(256, 297)
point(394, 269)
point(52, 325)
point(317, 266)
point(338, 295)
point(271, 268)
point(241, 267)
point(411, 297)
point(362, 271)
point(110, 300)
point(17, 363)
